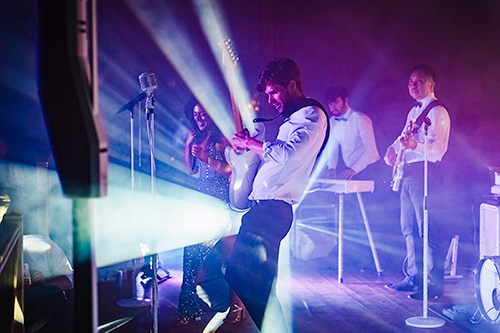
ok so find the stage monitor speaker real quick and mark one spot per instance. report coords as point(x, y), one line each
point(489, 231)
point(69, 90)
point(312, 242)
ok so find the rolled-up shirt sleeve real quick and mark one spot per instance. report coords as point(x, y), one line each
point(293, 141)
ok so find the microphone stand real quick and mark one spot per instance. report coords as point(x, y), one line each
point(150, 128)
point(130, 107)
point(425, 321)
point(132, 180)
point(150, 125)
point(139, 301)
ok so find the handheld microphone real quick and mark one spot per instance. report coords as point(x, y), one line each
point(148, 82)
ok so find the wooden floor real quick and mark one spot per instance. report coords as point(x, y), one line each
point(313, 301)
point(312, 298)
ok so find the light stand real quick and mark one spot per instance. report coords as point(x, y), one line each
point(425, 321)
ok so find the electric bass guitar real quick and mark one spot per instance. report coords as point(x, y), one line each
point(243, 163)
point(397, 170)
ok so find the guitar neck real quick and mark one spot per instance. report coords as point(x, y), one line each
point(234, 107)
point(229, 59)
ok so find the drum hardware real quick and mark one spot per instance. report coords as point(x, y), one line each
point(487, 284)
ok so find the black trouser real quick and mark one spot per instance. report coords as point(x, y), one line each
point(45, 306)
point(253, 266)
point(438, 229)
point(211, 278)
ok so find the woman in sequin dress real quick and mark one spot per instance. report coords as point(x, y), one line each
point(204, 154)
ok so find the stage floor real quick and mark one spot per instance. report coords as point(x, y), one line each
point(313, 300)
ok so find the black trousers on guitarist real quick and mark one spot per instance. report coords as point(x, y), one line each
point(256, 250)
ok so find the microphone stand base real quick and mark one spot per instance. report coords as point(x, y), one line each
point(134, 303)
point(422, 322)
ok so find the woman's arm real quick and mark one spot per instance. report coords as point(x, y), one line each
point(188, 157)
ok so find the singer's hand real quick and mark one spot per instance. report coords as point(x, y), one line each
point(198, 151)
point(409, 143)
point(390, 157)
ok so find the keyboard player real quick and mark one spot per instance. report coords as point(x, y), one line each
point(351, 146)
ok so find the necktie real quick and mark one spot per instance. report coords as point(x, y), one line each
point(340, 119)
point(418, 104)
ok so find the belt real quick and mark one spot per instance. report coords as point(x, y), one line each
point(254, 203)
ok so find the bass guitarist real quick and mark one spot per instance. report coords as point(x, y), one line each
point(421, 87)
point(280, 182)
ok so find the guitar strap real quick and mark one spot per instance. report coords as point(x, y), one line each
point(292, 108)
point(424, 114)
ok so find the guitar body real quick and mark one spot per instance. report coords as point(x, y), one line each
point(244, 166)
point(397, 171)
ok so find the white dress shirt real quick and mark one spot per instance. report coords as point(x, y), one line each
point(289, 159)
point(437, 136)
point(355, 137)
point(44, 255)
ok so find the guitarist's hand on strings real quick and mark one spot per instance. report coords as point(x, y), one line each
point(243, 141)
point(408, 143)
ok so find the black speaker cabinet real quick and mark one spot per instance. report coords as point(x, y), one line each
point(68, 80)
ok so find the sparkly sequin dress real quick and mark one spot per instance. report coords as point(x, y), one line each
point(213, 183)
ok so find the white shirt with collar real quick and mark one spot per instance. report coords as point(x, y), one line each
point(437, 136)
point(289, 159)
point(355, 137)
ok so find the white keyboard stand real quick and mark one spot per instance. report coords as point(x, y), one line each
point(342, 187)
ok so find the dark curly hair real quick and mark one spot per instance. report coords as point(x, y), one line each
point(280, 71)
point(199, 136)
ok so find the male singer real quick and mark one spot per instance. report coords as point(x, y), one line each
point(421, 87)
point(286, 164)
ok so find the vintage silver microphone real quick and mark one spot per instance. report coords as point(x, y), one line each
point(148, 83)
